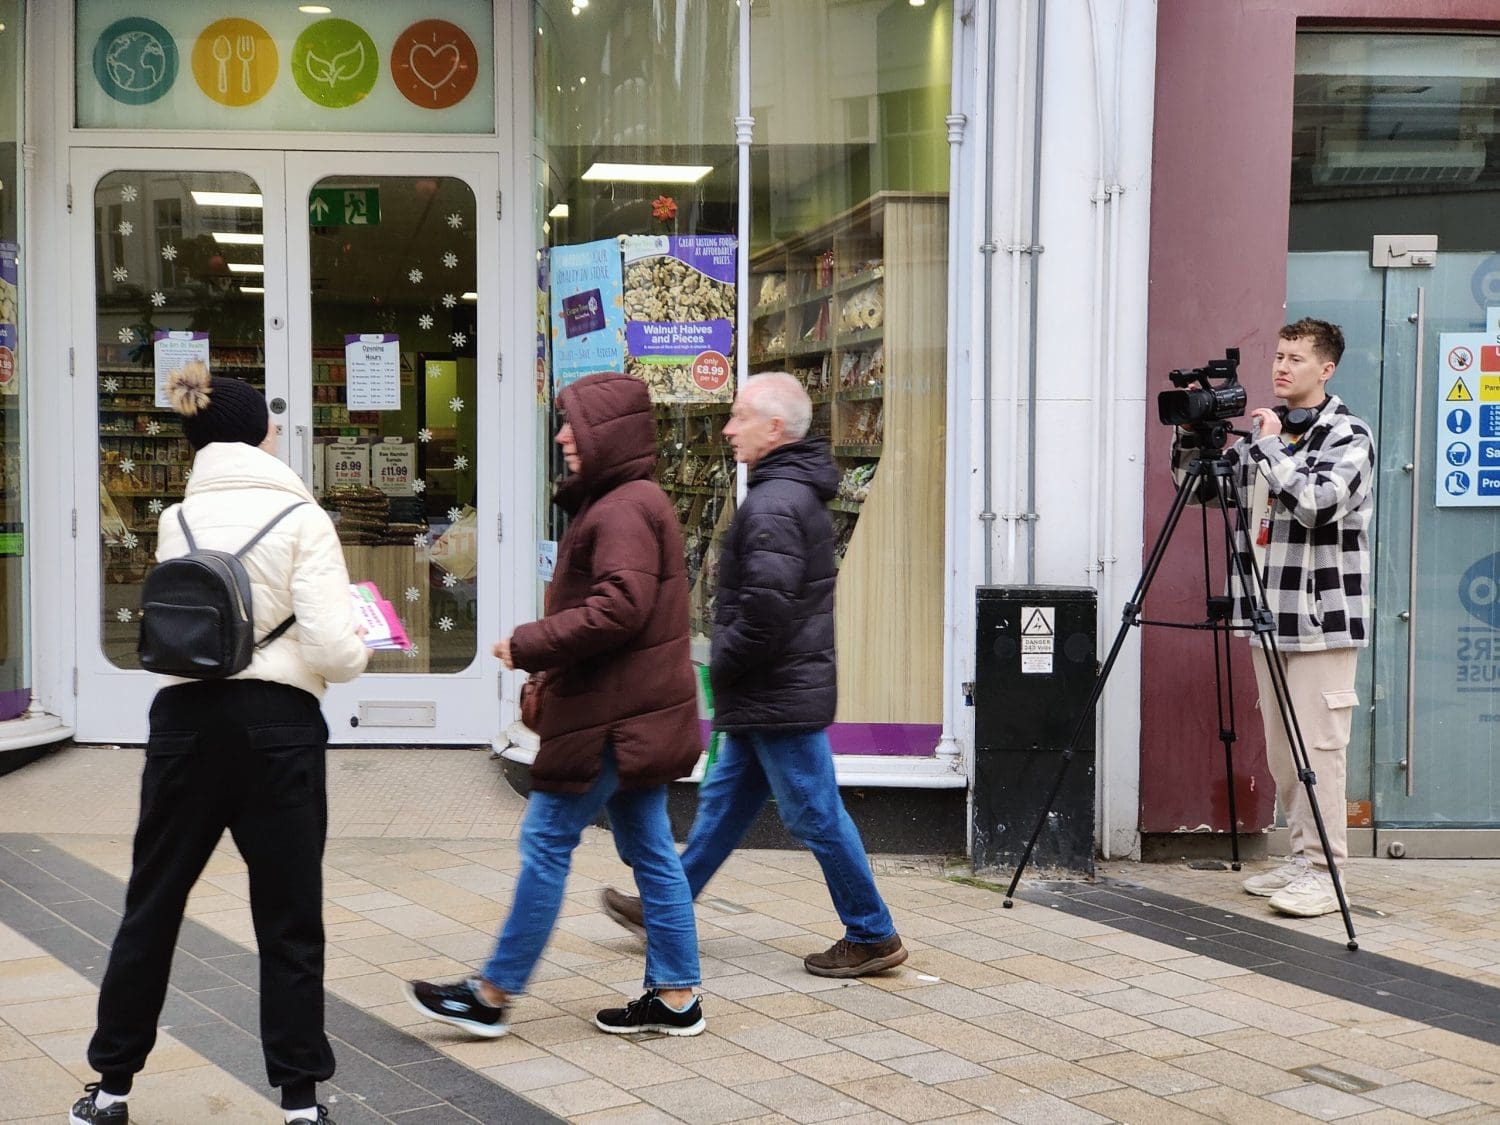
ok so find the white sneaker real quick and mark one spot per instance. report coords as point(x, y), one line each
point(1307, 896)
point(1269, 883)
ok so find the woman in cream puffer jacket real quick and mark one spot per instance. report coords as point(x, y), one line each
point(244, 754)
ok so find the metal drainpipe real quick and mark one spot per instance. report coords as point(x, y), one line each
point(987, 331)
point(1035, 251)
point(744, 132)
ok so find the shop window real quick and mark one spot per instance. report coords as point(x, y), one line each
point(15, 614)
point(847, 255)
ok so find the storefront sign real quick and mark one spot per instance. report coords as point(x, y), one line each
point(348, 464)
point(270, 67)
point(679, 298)
point(172, 351)
point(1468, 417)
point(393, 466)
point(10, 382)
point(372, 365)
point(343, 207)
point(588, 314)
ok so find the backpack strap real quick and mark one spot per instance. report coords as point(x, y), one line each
point(259, 535)
point(187, 531)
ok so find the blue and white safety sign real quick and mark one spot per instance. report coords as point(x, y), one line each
point(1468, 416)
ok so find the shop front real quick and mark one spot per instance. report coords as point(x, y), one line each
point(340, 207)
point(1375, 211)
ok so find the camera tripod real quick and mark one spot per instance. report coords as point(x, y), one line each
point(1209, 472)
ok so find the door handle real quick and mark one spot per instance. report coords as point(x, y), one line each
point(304, 446)
point(1411, 592)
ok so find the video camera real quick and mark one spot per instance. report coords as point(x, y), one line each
point(1216, 397)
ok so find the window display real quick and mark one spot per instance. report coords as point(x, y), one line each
point(15, 615)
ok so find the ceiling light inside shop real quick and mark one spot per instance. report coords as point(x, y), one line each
point(559, 211)
point(247, 267)
point(314, 9)
point(470, 296)
point(251, 289)
point(226, 199)
point(917, 3)
point(235, 238)
point(647, 173)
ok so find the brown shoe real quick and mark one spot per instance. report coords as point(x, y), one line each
point(624, 909)
point(856, 959)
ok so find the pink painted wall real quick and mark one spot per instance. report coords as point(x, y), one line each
point(1219, 207)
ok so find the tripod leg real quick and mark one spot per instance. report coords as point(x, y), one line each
point(1225, 688)
point(1305, 773)
point(1130, 616)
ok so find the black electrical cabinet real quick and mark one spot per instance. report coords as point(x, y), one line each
point(1034, 670)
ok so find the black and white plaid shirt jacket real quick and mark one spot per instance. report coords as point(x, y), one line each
point(1317, 563)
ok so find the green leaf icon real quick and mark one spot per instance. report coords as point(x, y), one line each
point(335, 63)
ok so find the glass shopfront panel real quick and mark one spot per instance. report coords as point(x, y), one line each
point(15, 676)
point(637, 204)
point(179, 273)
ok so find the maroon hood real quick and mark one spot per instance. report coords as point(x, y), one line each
point(615, 433)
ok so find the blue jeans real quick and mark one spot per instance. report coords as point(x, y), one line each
point(798, 770)
point(549, 834)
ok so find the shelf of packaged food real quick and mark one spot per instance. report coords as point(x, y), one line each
point(854, 506)
point(695, 407)
point(861, 394)
point(117, 493)
point(137, 369)
point(863, 277)
point(857, 451)
point(866, 336)
point(695, 489)
point(768, 310)
point(135, 409)
point(809, 347)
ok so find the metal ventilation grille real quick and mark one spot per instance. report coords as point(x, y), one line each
point(1350, 163)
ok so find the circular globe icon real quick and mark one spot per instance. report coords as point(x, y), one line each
point(135, 61)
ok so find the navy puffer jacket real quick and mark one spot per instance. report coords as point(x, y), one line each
point(773, 664)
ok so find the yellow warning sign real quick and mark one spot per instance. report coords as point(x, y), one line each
point(1489, 388)
point(1460, 393)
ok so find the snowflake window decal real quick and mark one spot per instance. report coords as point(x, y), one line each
point(456, 404)
point(158, 298)
point(424, 434)
point(419, 539)
point(411, 653)
point(122, 615)
point(128, 193)
point(449, 300)
point(412, 593)
point(414, 275)
point(126, 228)
point(453, 514)
point(459, 339)
point(449, 581)
point(445, 624)
point(169, 252)
point(153, 427)
point(419, 486)
point(121, 273)
point(130, 541)
point(424, 321)
point(127, 335)
point(127, 466)
point(455, 220)
point(154, 507)
point(460, 462)
point(450, 259)
point(111, 385)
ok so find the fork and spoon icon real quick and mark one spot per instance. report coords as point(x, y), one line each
point(241, 50)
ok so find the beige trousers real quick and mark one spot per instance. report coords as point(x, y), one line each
point(1321, 685)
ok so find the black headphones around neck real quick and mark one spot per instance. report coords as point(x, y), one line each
point(1297, 420)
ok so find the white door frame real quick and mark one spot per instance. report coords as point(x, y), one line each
point(467, 704)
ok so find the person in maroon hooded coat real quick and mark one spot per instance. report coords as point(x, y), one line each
point(618, 717)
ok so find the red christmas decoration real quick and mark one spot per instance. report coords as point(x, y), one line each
point(664, 208)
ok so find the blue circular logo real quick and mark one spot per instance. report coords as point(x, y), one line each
point(1458, 453)
point(1459, 421)
point(135, 60)
point(1456, 482)
point(1479, 590)
point(1485, 283)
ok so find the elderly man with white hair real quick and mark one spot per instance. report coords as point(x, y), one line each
point(774, 678)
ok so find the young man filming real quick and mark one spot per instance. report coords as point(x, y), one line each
point(1306, 479)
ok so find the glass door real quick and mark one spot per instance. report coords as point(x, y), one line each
point(395, 361)
point(352, 289)
point(177, 248)
point(1427, 748)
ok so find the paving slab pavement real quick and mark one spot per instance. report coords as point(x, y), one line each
point(1155, 993)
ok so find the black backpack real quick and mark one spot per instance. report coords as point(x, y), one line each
point(197, 620)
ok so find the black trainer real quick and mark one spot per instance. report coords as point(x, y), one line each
point(86, 1110)
point(458, 1005)
point(650, 1014)
point(321, 1119)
